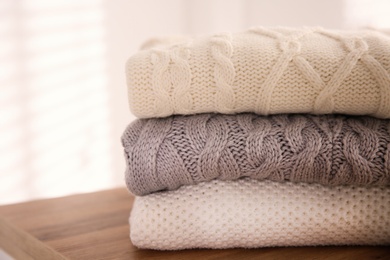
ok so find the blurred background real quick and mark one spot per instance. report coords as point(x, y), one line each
point(63, 96)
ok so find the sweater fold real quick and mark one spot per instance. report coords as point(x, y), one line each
point(265, 71)
point(250, 214)
point(166, 153)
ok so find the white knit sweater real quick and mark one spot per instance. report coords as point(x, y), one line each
point(250, 213)
point(266, 71)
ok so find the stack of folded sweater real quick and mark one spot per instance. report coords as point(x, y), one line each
point(270, 137)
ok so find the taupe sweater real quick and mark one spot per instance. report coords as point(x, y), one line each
point(166, 153)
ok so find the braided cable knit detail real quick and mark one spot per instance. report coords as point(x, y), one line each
point(215, 126)
point(359, 48)
point(181, 78)
point(324, 102)
point(265, 160)
point(367, 133)
point(224, 73)
point(162, 100)
point(305, 147)
point(309, 73)
point(183, 144)
point(233, 157)
point(290, 47)
point(172, 69)
point(383, 79)
point(266, 71)
point(330, 150)
point(140, 145)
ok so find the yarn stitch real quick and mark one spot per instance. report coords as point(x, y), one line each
point(249, 213)
point(166, 153)
point(264, 70)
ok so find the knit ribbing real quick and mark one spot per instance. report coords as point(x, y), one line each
point(249, 213)
point(266, 71)
point(331, 150)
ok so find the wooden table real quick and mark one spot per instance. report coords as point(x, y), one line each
point(94, 226)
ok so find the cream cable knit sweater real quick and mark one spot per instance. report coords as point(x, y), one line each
point(266, 71)
point(250, 213)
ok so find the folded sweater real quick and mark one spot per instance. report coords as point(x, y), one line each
point(263, 70)
point(166, 153)
point(250, 213)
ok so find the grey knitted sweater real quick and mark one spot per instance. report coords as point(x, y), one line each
point(166, 153)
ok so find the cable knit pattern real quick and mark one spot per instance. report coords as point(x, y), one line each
point(166, 153)
point(171, 69)
point(224, 73)
point(249, 213)
point(266, 71)
point(290, 47)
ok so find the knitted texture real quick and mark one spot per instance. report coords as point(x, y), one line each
point(266, 71)
point(166, 153)
point(250, 213)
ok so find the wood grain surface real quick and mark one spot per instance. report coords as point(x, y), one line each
point(95, 226)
